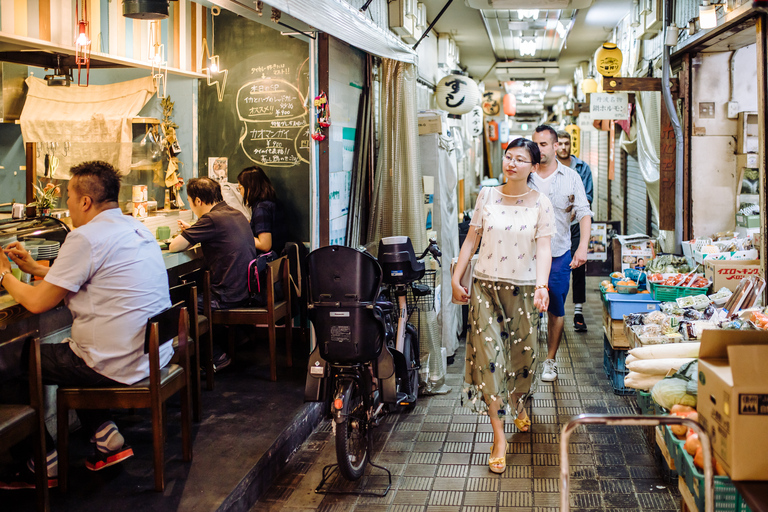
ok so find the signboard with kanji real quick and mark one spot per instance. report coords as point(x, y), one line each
point(603, 105)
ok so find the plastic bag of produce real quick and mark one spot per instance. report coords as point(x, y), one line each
point(666, 351)
point(680, 388)
point(657, 366)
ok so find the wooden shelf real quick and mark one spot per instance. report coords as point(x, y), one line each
point(156, 167)
point(144, 120)
point(689, 504)
point(663, 447)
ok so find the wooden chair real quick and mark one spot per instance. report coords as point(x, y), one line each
point(150, 393)
point(201, 331)
point(18, 422)
point(275, 310)
point(187, 292)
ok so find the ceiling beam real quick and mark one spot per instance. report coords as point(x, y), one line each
point(615, 84)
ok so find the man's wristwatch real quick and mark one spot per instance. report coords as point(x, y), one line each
point(2, 276)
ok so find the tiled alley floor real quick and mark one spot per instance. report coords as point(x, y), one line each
point(438, 452)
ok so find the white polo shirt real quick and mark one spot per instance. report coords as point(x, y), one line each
point(114, 271)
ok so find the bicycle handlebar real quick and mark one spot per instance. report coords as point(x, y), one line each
point(434, 250)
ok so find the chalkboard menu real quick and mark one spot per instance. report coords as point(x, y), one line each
point(263, 116)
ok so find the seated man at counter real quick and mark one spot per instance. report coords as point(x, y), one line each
point(111, 275)
point(227, 243)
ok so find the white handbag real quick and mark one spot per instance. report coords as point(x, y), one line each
point(466, 277)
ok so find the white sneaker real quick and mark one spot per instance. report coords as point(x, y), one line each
point(549, 372)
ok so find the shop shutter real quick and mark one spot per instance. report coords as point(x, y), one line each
point(617, 187)
point(600, 203)
point(636, 198)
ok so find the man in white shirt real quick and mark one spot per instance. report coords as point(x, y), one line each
point(565, 190)
point(110, 273)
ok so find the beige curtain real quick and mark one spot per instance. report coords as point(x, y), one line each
point(398, 201)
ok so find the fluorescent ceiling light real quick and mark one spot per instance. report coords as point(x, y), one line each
point(561, 29)
point(518, 25)
point(528, 47)
point(528, 13)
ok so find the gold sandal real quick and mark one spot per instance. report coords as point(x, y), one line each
point(523, 425)
point(498, 465)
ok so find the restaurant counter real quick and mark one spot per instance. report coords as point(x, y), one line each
point(16, 320)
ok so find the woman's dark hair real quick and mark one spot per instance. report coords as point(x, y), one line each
point(528, 145)
point(96, 179)
point(205, 189)
point(257, 186)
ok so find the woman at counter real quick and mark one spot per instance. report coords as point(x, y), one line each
point(259, 195)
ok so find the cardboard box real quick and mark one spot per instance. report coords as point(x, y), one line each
point(733, 400)
point(748, 221)
point(729, 273)
point(430, 123)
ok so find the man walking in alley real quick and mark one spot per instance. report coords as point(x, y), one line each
point(565, 190)
point(565, 157)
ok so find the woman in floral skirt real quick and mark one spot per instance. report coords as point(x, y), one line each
point(513, 225)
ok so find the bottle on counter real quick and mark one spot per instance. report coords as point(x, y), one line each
point(167, 203)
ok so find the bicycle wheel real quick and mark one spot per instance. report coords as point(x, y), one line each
point(352, 434)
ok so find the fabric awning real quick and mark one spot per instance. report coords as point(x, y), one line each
point(337, 18)
point(95, 121)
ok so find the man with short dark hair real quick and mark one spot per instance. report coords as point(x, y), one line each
point(563, 186)
point(579, 274)
point(227, 242)
point(110, 273)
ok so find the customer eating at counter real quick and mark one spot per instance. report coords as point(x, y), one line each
point(111, 275)
point(228, 247)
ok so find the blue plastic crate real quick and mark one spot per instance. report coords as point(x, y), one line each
point(620, 304)
point(617, 357)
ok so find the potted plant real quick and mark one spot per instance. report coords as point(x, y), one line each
point(45, 197)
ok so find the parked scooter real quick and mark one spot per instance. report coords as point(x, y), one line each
point(366, 357)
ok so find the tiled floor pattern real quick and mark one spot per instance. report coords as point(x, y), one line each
point(438, 452)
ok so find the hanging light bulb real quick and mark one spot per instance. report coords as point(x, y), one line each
point(82, 42)
point(214, 65)
point(707, 15)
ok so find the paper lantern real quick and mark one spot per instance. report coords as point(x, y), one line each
point(493, 131)
point(588, 85)
point(457, 94)
point(491, 103)
point(476, 121)
point(510, 105)
point(608, 60)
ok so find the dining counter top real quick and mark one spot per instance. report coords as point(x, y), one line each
point(11, 312)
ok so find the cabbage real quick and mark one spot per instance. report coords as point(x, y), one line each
point(673, 390)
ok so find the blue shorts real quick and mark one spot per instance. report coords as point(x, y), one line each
point(559, 283)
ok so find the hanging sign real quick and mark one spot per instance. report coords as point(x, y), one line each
point(476, 121)
point(609, 105)
point(575, 133)
point(490, 103)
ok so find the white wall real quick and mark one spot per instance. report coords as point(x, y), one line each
point(713, 161)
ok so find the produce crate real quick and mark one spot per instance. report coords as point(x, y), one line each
point(615, 376)
point(644, 402)
point(617, 357)
point(665, 293)
point(675, 447)
point(620, 304)
point(666, 463)
point(727, 498)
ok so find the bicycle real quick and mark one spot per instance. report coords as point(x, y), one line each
point(366, 357)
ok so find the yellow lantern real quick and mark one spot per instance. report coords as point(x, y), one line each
point(588, 85)
point(608, 60)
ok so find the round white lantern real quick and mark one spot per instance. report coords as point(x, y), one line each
point(457, 94)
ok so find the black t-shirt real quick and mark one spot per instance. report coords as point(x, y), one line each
point(228, 248)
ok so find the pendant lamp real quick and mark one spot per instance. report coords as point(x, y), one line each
point(457, 94)
point(510, 105)
point(145, 9)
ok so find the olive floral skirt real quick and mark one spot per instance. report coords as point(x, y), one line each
point(501, 347)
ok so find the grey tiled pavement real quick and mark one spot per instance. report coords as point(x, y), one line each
point(438, 452)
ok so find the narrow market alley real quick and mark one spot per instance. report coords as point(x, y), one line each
point(438, 452)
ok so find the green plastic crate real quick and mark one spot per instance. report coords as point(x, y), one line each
point(675, 447)
point(645, 403)
point(670, 293)
point(727, 498)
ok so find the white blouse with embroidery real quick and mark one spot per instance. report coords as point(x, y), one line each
point(509, 226)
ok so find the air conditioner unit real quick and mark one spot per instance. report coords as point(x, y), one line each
point(447, 52)
point(402, 19)
point(528, 4)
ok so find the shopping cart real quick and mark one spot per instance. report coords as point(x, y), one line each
point(630, 420)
